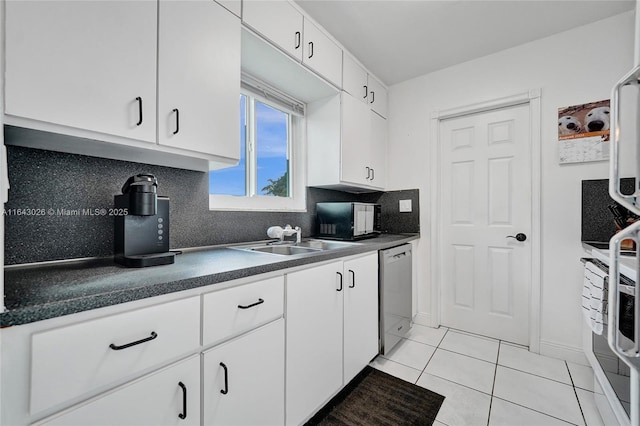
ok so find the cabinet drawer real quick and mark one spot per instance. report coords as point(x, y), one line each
point(70, 361)
point(157, 399)
point(239, 309)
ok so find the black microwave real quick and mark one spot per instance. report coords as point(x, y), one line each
point(347, 220)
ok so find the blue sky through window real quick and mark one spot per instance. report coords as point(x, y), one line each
point(271, 153)
point(232, 180)
point(271, 141)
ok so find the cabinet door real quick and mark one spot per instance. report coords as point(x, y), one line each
point(199, 78)
point(250, 371)
point(278, 21)
point(322, 54)
point(84, 64)
point(157, 399)
point(354, 79)
point(360, 314)
point(314, 339)
point(356, 130)
point(377, 96)
point(378, 151)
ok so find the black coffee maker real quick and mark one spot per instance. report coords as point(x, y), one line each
point(142, 224)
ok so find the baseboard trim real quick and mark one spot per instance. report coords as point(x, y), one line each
point(564, 352)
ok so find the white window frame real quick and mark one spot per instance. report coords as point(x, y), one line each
point(297, 173)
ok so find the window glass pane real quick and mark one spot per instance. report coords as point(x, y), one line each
point(233, 180)
point(272, 151)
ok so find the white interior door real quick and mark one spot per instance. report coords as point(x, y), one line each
point(486, 197)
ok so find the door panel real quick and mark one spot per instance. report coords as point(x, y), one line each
point(486, 196)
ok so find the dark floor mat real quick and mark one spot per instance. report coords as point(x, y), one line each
point(376, 398)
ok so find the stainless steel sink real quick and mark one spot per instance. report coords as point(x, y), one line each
point(325, 245)
point(292, 249)
point(285, 250)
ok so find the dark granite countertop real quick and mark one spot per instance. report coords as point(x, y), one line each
point(39, 292)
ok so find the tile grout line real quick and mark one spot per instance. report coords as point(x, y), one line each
point(493, 386)
point(429, 360)
point(537, 375)
point(467, 355)
point(575, 392)
point(533, 409)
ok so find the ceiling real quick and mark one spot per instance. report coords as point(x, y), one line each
point(399, 39)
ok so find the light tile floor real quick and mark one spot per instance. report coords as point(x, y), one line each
point(491, 382)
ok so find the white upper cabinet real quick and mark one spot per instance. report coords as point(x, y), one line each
point(354, 79)
point(278, 21)
point(87, 65)
point(377, 96)
point(281, 23)
point(346, 145)
point(378, 150)
point(199, 78)
point(322, 54)
point(355, 138)
point(363, 86)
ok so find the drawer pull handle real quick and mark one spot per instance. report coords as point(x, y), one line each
point(340, 289)
point(226, 379)
point(139, 99)
point(183, 415)
point(259, 302)
point(298, 39)
point(175, 132)
point(137, 342)
point(353, 278)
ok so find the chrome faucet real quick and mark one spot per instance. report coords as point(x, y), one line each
point(287, 231)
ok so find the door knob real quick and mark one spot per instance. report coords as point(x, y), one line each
point(520, 237)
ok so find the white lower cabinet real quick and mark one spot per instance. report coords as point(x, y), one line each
point(360, 314)
point(314, 339)
point(243, 379)
point(170, 396)
point(324, 352)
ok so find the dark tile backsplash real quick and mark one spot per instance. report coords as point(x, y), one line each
point(44, 180)
point(598, 225)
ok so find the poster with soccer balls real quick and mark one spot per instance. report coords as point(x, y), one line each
point(583, 132)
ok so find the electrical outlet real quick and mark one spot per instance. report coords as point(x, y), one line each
point(405, 206)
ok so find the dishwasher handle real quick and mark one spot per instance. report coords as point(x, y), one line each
point(392, 257)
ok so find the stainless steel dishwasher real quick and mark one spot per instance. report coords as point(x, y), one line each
point(396, 283)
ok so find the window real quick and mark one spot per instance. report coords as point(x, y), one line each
point(270, 173)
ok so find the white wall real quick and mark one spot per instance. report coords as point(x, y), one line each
point(574, 67)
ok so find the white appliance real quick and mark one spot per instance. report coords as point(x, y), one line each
point(625, 128)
